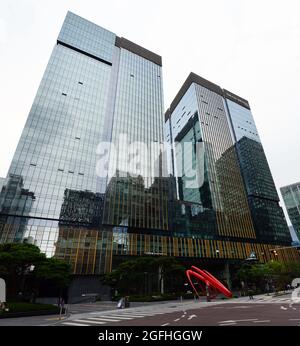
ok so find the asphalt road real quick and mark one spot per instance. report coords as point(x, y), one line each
point(224, 315)
point(262, 311)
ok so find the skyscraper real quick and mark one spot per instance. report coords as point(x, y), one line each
point(88, 181)
point(98, 88)
point(225, 190)
point(291, 197)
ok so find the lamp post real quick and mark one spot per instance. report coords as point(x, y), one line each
point(145, 282)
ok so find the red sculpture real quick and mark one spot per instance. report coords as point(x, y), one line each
point(209, 280)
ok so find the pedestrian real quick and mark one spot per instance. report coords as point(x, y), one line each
point(250, 293)
point(242, 288)
point(267, 288)
point(121, 303)
point(207, 288)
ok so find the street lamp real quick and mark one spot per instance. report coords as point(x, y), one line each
point(145, 282)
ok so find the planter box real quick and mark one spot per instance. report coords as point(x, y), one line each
point(30, 313)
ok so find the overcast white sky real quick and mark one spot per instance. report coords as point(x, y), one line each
point(250, 47)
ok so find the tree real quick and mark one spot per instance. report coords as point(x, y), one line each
point(16, 261)
point(142, 274)
point(23, 266)
point(55, 271)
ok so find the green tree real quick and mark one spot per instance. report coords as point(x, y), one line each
point(143, 274)
point(17, 260)
point(24, 267)
point(54, 271)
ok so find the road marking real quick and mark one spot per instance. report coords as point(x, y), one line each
point(106, 319)
point(75, 324)
point(135, 316)
point(227, 324)
point(182, 316)
point(283, 308)
point(247, 320)
point(294, 319)
point(89, 321)
point(165, 324)
point(192, 316)
point(228, 321)
point(263, 321)
point(238, 307)
point(119, 316)
point(177, 319)
point(54, 318)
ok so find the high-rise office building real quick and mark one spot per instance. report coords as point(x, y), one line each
point(225, 190)
point(88, 181)
point(97, 88)
point(291, 197)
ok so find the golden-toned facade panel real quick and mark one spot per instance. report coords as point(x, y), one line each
point(93, 251)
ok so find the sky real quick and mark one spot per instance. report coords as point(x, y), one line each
point(250, 47)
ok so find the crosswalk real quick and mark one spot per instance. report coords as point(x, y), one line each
point(101, 318)
point(272, 299)
point(108, 318)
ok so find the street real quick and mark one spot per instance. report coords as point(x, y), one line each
point(263, 310)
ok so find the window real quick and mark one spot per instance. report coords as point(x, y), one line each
point(132, 75)
point(71, 172)
point(64, 94)
point(80, 174)
point(77, 137)
point(205, 102)
point(80, 83)
point(33, 164)
point(60, 170)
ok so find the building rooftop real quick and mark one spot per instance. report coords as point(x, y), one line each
point(194, 78)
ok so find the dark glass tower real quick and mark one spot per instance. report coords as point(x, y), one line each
point(234, 197)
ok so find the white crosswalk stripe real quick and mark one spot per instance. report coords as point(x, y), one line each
point(107, 319)
point(89, 321)
point(120, 317)
point(74, 324)
point(113, 316)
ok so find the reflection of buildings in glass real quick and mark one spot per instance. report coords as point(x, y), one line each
point(291, 197)
point(81, 208)
point(235, 208)
point(129, 203)
point(268, 217)
point(198, 115)
point(240, 183)
point(14, 200)
point(97, 86)
point(193, 211)
point(2, 183)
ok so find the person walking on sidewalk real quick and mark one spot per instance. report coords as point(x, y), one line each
point(250, 293)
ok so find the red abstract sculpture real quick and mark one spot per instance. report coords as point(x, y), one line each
point(208, 279)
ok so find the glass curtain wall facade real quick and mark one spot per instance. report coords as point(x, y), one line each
point(96, 86)
point(100, 88)
point(291, 197)
point(234, 198)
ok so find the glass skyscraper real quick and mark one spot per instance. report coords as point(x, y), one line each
point(291, 197)
point(224, 187)
point(96, 87)
point(89, 182)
